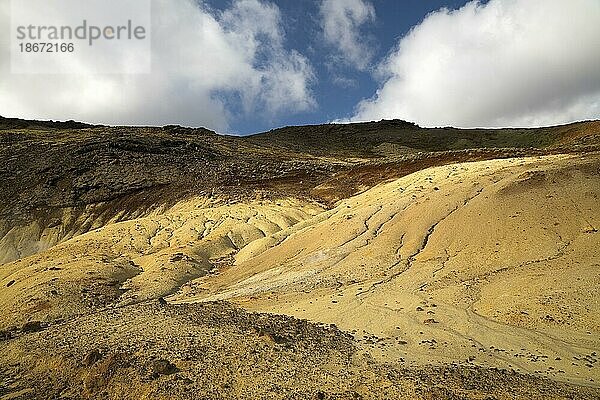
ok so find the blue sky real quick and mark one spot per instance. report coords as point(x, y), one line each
point(336, 101)
point(245, 66)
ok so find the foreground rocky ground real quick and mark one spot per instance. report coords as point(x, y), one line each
point(216, 351)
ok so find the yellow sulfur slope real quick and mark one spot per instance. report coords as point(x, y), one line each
point(137, 260)
point(493, 263)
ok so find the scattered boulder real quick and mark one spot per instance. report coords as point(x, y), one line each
point(92, 358)
point(273, 337)
point(163, 367)
point(32, 326)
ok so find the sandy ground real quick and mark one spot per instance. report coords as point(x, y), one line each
point(493, 263)
point(141, 259)
point(215, 351)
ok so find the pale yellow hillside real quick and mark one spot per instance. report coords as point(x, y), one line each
point(137, 260)
point(494, 263)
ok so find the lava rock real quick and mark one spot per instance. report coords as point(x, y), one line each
point(92, 358)
point(163, 367)
point(32, 326)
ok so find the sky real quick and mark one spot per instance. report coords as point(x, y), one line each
point(246, 66)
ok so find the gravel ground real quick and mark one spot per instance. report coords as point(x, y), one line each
point(216, 351)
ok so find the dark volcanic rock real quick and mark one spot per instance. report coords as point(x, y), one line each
point(217, 351)
point(92, 358)
point(163, 367)
point(32, 326)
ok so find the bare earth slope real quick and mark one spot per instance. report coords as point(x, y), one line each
point(214, 351)
point(375, 260)
point(136, 260)
point(495, 263)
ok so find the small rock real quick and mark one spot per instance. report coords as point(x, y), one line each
point(32, 326)
point(163, 367)
point(178, 257)
point(92, 358)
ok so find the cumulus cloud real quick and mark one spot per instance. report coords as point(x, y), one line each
point(204, 64)
point(341, 22)
point(502, 63)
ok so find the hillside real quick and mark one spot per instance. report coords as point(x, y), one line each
point(494, 262)
point(372, 260)
point(63, 179)
point(390, 138)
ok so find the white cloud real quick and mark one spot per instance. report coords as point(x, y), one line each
point(201, 62)
point(341, 23)
point(504, 63)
